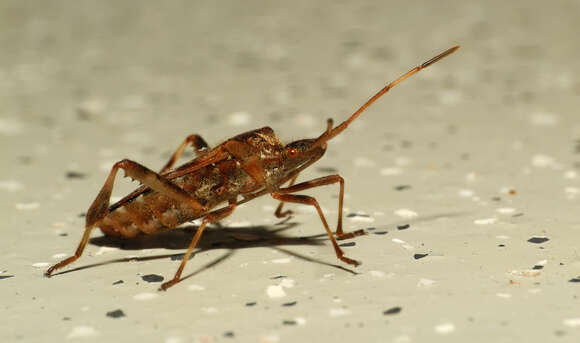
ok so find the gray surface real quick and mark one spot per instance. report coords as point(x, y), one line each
point(85, 84)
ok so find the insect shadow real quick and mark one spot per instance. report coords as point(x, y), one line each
point(217, 237)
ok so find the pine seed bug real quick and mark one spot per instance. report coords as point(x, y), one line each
point(236, 171)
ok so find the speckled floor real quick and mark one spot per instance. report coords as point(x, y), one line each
point(465, 176)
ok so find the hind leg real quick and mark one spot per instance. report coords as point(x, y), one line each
point(100, 206)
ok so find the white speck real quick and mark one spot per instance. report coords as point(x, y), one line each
point(355, 60)
point(471, 177)
point(10, 185)
point(502, 237)
point(82, 331)
point(534, 290)
point(239, 224)
point(506, 210)
point(27, 206)
point(391, 171)
point(506, 190)
point(59, 256)
point(544, 119)
point(377, 273)
point(239, 118)
point(275, 291)
point(570, 174)
point(195, 287)
point(269, 338)
point(173, 339)
point(282, 260)
point(145, 296)
point(541, 262)
point(543, 161)
point(268, 208)
point(106, 165)
point(450, 97)
point(465, 193)
point(328, 276)
point(338, 312)
point(403, 244)
point(406, 213)
point(91, 107)
point(41, 264)
point(485, 221)
point(445, 328)
point(361, 219)
point(378, 213)
point(105, 250)
point(526, 272)
point(287, 283)
point(402, 339)
point(336, 299)
point(300, 320)
point(10, 127)
point(572, 322)
point(209, 310)
point(402, 161)
point(425, 283)
point(572, 190)
point(503, 295)
point(363, 162)
point(304, 120)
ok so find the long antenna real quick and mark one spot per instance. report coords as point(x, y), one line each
point(329, 134)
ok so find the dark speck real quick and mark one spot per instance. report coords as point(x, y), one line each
point(538, 240)
point(64, 234)
point(289, 322)
point(116, 314)
point(538, 267)
point(418, 256)
point(277, 277)
point(403, 227)
point(152, 278)
point(371, 228)
point(496, 199)
point(326, 170)
point(82, 214)
point(229, 334)
point(2, 277)
point(75, 175)
point(118, 282)
point(380, 232)
point(348, 244)
point(251, 303)
point(289, 304)
point(402, 187)
point(66, 318)
point(501, 245)
point(576, 279)
point(393, 310)
point(362, 215)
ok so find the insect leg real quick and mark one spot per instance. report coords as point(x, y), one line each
point(322, 181)
point(213, 216)
point(279, 213)
point(307, 200)
point(198, 144)
point(100, 206)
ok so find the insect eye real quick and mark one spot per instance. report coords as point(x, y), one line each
point(292, 152)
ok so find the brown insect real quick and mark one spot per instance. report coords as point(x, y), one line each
point(248, 165)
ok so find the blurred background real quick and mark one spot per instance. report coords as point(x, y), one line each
point(86, 83)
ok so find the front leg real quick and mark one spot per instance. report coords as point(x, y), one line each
point(322, 181)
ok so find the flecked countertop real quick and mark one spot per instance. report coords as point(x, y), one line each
point(465, 176)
